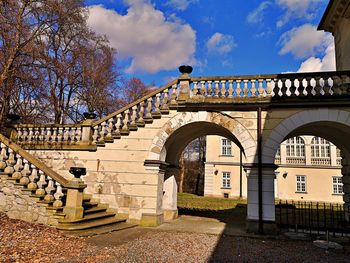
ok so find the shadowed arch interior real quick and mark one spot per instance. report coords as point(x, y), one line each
point(178, 140)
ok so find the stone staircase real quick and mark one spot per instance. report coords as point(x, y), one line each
point(31, 191)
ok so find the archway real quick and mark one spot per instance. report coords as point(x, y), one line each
point(170, 141)
point(330, 124)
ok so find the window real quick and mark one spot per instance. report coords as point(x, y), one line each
point(337, 185)
point(301, 183)
point(226, 180)
point(226, 147)
point(320, 147)
point(295, 147)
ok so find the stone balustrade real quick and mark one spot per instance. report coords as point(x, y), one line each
point(48, 134)
point(38, 179)
point(321, 161)
point(136, 114)
point(281, 85)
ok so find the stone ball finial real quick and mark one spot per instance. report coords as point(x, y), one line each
point(77, 171)
point(185, 69)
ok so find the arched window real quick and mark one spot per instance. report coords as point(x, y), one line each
point(295, 147)
point(320, 148)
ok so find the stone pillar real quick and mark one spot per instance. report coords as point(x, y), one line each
point(184, 82)
point(283, 153)
point(170, 199)
point(268, 198)
point(333, 154)
point(307, 154)
point(209, 172)
point(156, 218)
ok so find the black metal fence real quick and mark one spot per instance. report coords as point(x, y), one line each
point(313, 217)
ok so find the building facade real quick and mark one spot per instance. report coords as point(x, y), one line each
point(309, 169)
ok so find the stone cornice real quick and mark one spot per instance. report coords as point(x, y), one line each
point(336, 10)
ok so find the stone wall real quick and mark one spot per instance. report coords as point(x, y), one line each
point(18, 205)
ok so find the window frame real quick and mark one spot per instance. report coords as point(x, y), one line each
point(300, 183)
point(226, 147)
point(337, 185)
point(320, 148)
point(295, 147)
point(226, 180)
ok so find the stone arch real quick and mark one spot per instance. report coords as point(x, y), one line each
point(331, 124)
point(225, 125)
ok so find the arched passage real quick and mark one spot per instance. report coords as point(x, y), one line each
point(331, 124)
point(174, 136)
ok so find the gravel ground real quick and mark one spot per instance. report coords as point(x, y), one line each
point(24, 242)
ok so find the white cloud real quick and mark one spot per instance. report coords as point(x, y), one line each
point(327, 63)
point(144, 34)
point(257, 15)
point(304, 41)
point(220, 43)
point(296, 9)
point(180, 4)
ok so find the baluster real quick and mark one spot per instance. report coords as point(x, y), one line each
point(156, 113)
point(30, 135)
point(216, 89)
point(230, 88)
point(327, 87)
point(125, 127)
point(54, 135)
point(148, 116)
point(41, 184)
point(78, 134)
point(109, 137)
point(3, 156)
point(164, 109)
point(173, 96)
point(301, 88)
point(66, 134)
point(223, 88)
point(195, 89)
point(309, 88)
point(345, 84)
point(25, 173)
point(48, 137)
point(210, 89)
point(245, 88)
point(238, 88)
point(261, 88)
point(18, 167)
point(202, 89)
point(283, 88)
point(42, 135)
point(116, 132)
point(253, 89)
point(25, 135)
point(140, 121)
point(337, 85)
point(292, 88)
point(102, 133)
point(133, 125)
point(58, 196)
point(36, 134)
point(49, 190)
point(95, 135)
point(319, 86)
point(10, 162)
point(33, 178)
point(19, 135)
point(60, 135)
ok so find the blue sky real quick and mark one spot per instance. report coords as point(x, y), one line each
point(217, 37)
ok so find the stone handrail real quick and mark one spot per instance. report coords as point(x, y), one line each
point(277, 85)
point(19, 160)
point(136, 114)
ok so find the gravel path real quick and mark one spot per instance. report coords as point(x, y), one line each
point(24, 242)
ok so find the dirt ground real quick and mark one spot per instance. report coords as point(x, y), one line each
point(25, 242)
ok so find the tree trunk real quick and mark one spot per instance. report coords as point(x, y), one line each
point(182, 173)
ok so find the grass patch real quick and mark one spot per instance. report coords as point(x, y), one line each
point(191, 201)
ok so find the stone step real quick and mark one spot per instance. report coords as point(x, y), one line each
point(90, 224)
point(89, 217)
point(90, 204)
point(99, 230)
point(95, 210)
